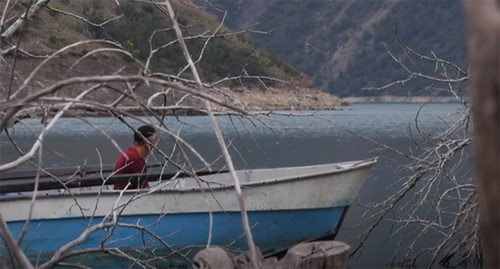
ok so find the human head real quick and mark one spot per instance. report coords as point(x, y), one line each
point(144, 134)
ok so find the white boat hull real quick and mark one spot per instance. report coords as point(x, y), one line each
point(285, 206)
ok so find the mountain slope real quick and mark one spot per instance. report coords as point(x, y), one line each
point(343, 44)
point(145, 32)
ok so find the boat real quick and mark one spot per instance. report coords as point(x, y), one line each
point(174, 218)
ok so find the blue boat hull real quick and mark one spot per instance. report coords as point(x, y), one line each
point(271, 230)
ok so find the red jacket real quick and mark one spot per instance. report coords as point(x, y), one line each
point(130, 162)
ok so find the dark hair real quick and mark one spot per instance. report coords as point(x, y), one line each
point(143, 132)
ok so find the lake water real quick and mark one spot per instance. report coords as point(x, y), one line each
point(282, 139)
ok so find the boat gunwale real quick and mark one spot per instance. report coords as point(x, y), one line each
point(219, 187)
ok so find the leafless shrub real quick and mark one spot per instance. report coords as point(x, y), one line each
point(437, 197)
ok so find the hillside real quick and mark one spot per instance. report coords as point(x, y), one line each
point(343, 44)
point(229, 66)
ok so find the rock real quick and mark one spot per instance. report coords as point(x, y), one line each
point(213, 258)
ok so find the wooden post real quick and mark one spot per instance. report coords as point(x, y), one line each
point(311, 255)
point(324, 254)
point(483, 34)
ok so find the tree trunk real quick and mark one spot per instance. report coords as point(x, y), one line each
point(483, 34)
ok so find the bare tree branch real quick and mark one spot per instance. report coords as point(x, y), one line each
point(220, 139)
point(18, 24)
point(438, 196)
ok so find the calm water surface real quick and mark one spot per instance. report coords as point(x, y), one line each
point(305, 138)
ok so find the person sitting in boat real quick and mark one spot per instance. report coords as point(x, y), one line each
point(132, 160)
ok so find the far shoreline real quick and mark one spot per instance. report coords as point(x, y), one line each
point(400, 99)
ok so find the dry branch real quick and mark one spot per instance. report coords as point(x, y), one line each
point(437, 196)
point(18, 24)
point(220, 138)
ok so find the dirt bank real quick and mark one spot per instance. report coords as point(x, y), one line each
point(293, 98)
